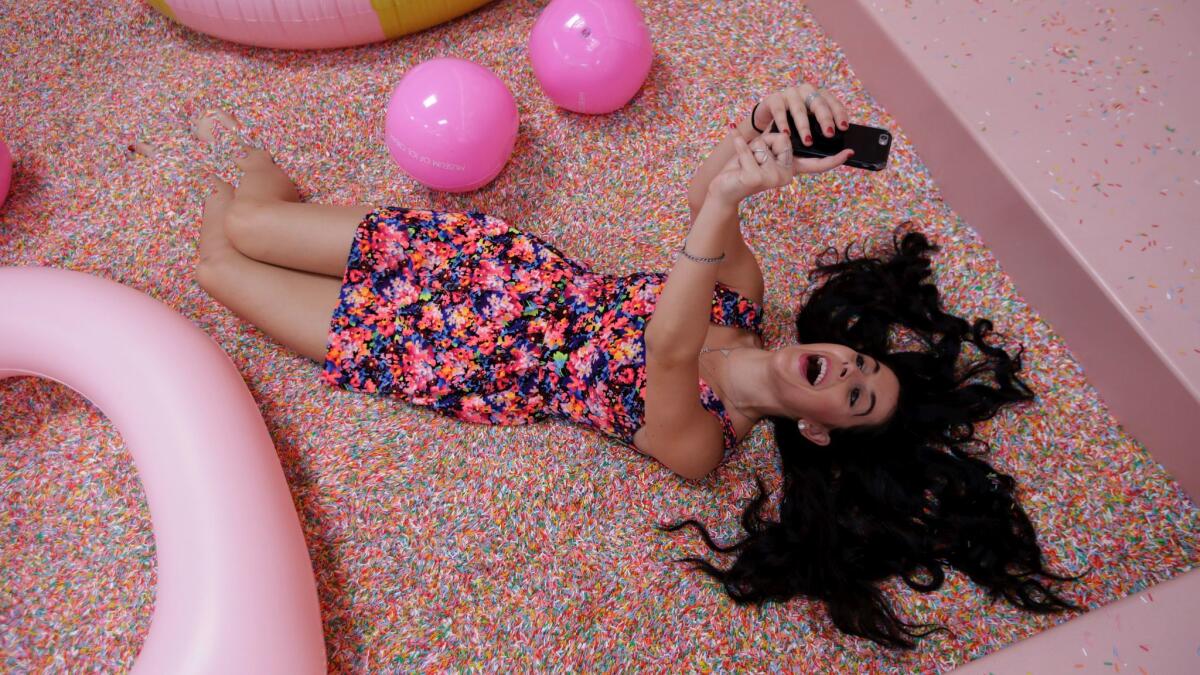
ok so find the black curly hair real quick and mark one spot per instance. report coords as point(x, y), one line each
point(904, 498)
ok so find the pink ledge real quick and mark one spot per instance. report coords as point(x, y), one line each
point(1154, 631)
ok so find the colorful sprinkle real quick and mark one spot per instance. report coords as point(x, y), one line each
point(439, 545)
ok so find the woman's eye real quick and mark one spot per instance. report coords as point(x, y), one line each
point(860, 361)
point(853, 396)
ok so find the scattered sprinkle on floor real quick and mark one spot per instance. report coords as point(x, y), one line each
point(444, 546)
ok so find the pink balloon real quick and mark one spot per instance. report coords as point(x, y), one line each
point(451, 125)
point(591, 56)
point(236, 592)
point(5, 171)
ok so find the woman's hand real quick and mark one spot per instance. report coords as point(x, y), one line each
point(800, 100)
point(763, 164)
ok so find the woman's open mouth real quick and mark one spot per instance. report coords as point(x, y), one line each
point(814, 368)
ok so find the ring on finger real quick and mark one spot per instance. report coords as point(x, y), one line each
point(808, 100)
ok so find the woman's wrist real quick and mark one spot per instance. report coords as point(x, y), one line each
point(705, 240)
point(717, 202)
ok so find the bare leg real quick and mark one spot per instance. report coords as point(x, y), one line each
point(268, 222)
point(290, 306)
point(310, 237)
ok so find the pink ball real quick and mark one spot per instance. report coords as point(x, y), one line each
point(591, 56)
point(451, 125)
point(5, 171)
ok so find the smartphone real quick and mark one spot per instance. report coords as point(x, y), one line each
point(870, 144)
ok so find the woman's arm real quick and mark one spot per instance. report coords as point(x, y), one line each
point(773, 108)
point(740, 269)
point(677, 431)
point(677, 330)
point(712, 165)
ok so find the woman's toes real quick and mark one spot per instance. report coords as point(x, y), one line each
point(202, 127)
point(205, 124)
point(142, 148)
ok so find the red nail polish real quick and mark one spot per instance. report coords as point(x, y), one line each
point(807, 139)
point(733, 125)
point(828, 131)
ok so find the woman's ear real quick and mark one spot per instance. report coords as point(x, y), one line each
point(815, 433)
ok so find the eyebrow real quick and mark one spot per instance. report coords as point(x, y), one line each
point(869, 408)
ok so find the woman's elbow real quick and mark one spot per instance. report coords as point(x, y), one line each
point(697, 469)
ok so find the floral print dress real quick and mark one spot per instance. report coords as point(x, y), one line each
point(465, 314)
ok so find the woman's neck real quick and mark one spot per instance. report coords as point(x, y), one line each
point(741, 375)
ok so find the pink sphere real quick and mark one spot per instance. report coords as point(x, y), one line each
point(5, 171)
point(451, 125)
point(591, 56)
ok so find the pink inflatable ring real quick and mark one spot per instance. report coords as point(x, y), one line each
point(236, 592)
point(312, 24)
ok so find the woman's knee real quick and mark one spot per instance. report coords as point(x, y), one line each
point(247, 224)
point(211, 273)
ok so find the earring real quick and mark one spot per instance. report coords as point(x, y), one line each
point(801, 425)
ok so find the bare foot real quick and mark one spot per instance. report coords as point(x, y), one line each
point(261, 178)
point(142, 149)
point(213, 243)
point(205, 125)
point(224, 136)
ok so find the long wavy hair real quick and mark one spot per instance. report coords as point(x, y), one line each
point(905, 498)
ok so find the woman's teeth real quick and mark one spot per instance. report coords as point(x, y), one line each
point(815, 368)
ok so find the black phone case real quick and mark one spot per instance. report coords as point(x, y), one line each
point(871, 145)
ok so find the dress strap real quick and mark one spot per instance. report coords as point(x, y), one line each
point(729, 308)
point(708, 398)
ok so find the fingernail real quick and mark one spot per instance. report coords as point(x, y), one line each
point(733, 125)
point(845, 125)
point(808, 139)
point(828, 131)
